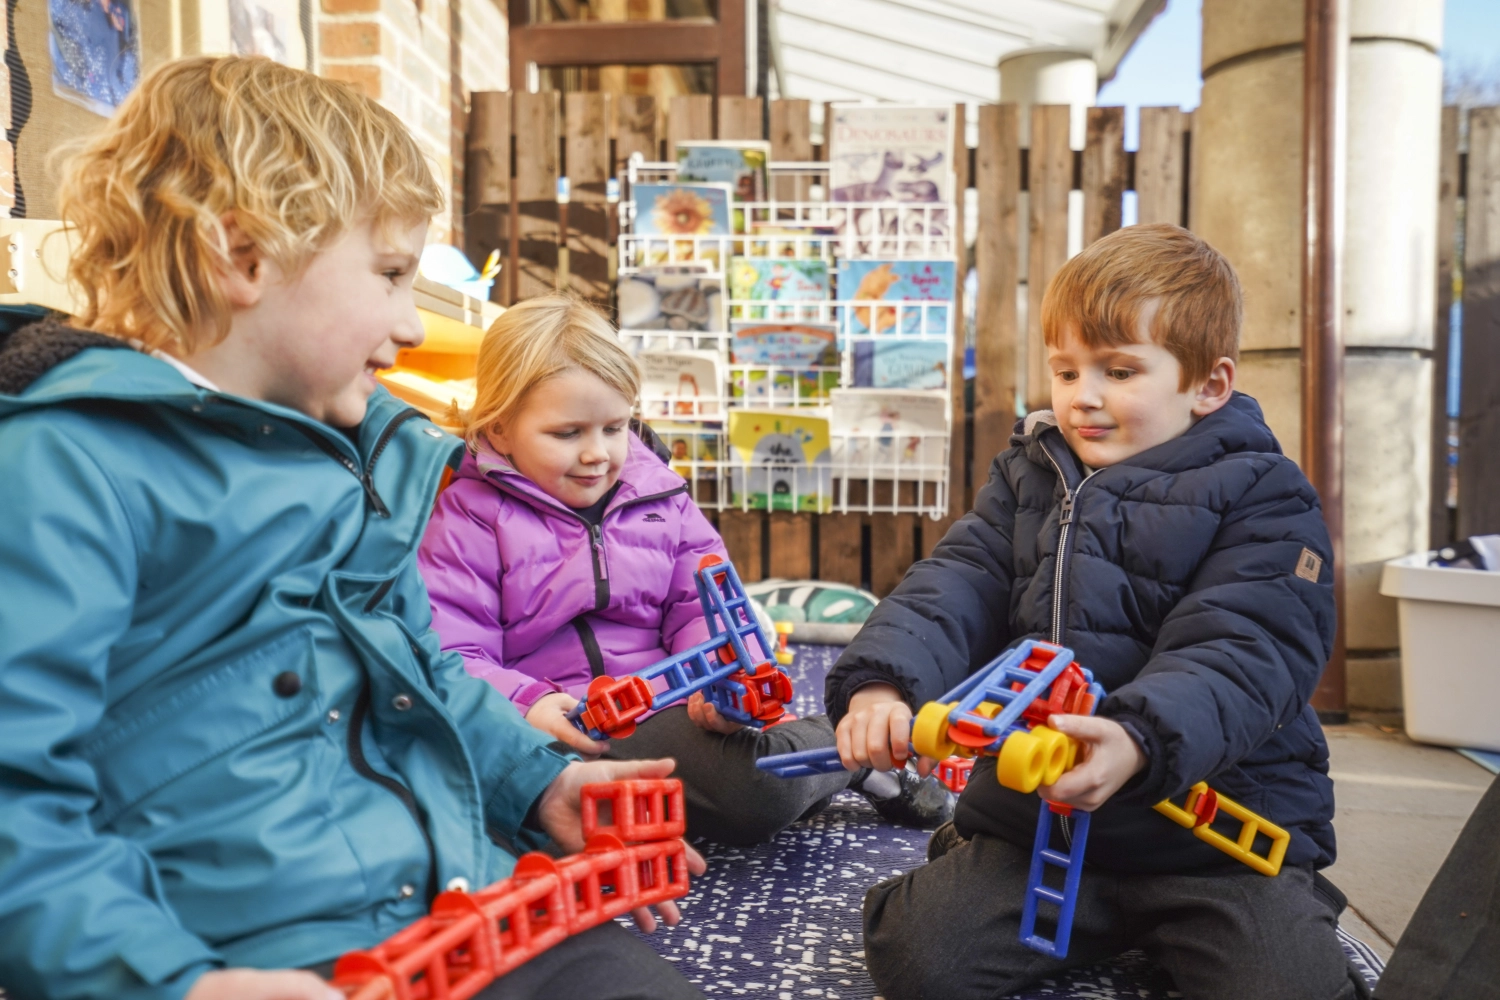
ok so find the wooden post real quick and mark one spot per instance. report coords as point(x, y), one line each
point(587, 135)
point(791, 140)
point(1103, 172)
point(741, 531)
point(1050, 178)
point(487, 182)
point(1324, 112)
point(741, 118)
point(635, 129)
point(1159, 167)
point(1479, 406)
point(691, 116)
point(1439, 523)
point(998, 182)
point(958, 495)
point(840, 547)
point(536, 194)
point(891, 536)
point(791, 545)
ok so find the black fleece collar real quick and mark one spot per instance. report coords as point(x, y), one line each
point(31, 351)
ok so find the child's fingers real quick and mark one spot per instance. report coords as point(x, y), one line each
point(696, 864)
point(841, 741)
point(624, 770)
point(1085, 728)
point(578, 741)
point(878, 739)
point(859, 750)
point(644, 919)
point(669, 913)
point(925, 766)
point(900, 733)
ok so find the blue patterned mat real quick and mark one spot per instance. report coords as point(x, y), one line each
point(782, 920)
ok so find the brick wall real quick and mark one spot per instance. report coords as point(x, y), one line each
point(403, 53)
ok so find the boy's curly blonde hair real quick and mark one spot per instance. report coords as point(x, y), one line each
point(297, 158)
point(538, 339)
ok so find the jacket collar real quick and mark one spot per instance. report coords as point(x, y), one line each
point(1238, 426)
point(643, 475)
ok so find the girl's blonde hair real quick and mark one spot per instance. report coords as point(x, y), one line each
point(538, 339)
point(297, 158)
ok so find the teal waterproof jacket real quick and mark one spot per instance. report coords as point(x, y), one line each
point(228, 735)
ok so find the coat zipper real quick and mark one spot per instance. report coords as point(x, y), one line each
point(362, 767)
point(591, 650)
point(366, 478)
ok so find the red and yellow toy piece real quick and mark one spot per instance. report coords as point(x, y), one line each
point(953, 772)
point(1200, 810)
point(784, 655)
point(472, 939)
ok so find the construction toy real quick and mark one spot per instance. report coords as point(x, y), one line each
point(784, 656)
point(1198, 814)
point(745, 687)
point(954, 772)
point(472, 939)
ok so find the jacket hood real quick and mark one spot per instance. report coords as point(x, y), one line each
point(644, 474)
point(1238, 426)
point(28, 353)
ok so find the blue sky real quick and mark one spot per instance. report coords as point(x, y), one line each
point(1162, 68)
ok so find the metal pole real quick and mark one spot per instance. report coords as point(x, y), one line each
point(1324, 104)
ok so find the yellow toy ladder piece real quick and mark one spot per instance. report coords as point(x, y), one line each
point(1191, 816)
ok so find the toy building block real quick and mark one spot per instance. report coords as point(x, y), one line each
point(954, 772)
point(1200, 809)
point(784, 655)
point(472, 939)
point(1037, 890)
point(745, 688)
point(802, 763)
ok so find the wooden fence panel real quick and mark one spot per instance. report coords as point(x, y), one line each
point(741, 531)
point(1050, 178)
point(1440, 526)
point(892, 538)
point(689, 116)
point(487, 180)
point(1159, 166)
point(996, 258)
point(1479, 408)
point(791, 545)
point(535, 188)
point(586, 122)
point(791, 140)
point(741, 118)
point(636, 129)
point(1103, 172)
point(840, 548)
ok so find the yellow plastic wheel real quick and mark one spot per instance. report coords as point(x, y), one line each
point(929, 731)
point(1054, 753)
point(1021, 761)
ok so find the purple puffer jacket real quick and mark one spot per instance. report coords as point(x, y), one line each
point(518, 592)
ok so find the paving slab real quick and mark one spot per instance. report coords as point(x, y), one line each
point(1399, 808)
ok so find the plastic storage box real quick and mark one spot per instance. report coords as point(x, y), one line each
point(1450, 651)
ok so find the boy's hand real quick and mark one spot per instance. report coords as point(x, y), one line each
point(706, 716)
point(560, 816)
point(876, 732)
point(1108, 755)
point(259, 984)
point(549, 713)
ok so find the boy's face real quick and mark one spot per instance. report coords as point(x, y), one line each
point(1115, 402)
point(569, 437)
point(320, 337)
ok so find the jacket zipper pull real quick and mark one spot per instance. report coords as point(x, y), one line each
point(597, 532)
point(1067, 510)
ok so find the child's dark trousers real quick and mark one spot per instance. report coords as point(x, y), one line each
point(949, 930)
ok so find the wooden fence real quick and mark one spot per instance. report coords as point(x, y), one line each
point(519, 145)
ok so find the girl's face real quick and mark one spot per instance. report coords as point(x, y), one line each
point(569, 437)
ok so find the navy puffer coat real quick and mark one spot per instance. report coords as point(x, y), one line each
point(1174, 577)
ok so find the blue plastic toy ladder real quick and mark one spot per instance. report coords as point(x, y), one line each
point(1037, 891)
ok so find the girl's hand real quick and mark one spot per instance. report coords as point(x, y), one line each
point(703, 712)
point(549, 713)
point(259, 984)
point(561, 817)
point(1109, 757)
point(876, 732)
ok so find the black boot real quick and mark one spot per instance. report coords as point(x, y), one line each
point(903, 798)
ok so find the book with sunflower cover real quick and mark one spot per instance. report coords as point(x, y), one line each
point(682, 209)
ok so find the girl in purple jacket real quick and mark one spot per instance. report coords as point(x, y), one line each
point(565, 550)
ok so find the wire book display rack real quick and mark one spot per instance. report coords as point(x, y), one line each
point(877, 464)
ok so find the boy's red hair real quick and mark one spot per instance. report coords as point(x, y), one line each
point(1100, 293)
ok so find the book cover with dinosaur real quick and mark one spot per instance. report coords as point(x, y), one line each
point(908, 281)
point(890, 152)
point(781, 462)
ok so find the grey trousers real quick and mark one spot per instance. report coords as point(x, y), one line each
point(728, 800)
point(949, 930)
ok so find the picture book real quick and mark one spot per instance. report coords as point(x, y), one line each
point(884, 427)
point(763, 282)
point(900, 281)
point(781, 461)
point(682, 209)
point(891, 152)
point(681, 297)
point(740, 164)
point(681, 384)
point(797, 352)
point(901, 364)
point(695, 447)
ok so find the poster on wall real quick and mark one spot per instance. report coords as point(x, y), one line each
point(96, 52)
point(267, 28)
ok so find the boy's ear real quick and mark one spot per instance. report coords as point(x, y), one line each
point(244, 281)
point(1216, 390)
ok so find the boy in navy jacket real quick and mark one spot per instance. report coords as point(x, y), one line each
point(1150, 523)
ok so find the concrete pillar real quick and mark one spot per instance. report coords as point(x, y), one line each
point(1247, 201)
point(1050, 76)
